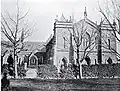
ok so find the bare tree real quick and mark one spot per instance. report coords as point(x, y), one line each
point(16, 29)
point(113, 13)
point(83, 42)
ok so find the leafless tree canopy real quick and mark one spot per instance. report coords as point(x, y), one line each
point(113, 12)
point(16, 29)
point(83, 38)
point(83, 35)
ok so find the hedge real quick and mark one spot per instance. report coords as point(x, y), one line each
point(103, 70)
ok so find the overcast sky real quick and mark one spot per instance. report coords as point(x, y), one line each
point(43, 13)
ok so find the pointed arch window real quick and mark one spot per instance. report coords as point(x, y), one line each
point(96, 42)
point(64, 60)
point(64, 42)
point(86, 42)
point(87, 39)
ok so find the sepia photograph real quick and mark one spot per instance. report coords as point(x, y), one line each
point(60, 45)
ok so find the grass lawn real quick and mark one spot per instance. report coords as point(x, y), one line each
point(65, 84)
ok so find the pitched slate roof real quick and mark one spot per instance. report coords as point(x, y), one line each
point(28, 47)
point(91, 23)
point(48, 40)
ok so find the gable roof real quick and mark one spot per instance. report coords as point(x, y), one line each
point(48, 40)
point(62, 18)
point(91, 23)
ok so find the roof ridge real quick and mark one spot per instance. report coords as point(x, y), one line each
point(91, 21)
point(50, 37)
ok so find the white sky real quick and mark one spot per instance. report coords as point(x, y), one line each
point(43, 13)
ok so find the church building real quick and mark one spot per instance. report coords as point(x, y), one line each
point(103, 41)
point(95, 43)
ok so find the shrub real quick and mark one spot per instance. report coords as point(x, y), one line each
point(67, 73)
point(103, 70)
point(21, 71)
point(47, 71)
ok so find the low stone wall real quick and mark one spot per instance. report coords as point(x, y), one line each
point(103, 70)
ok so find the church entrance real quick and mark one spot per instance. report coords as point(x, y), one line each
point(64, 63)
point(88, 60)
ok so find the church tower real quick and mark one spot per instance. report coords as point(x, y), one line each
point(108, 42)
point(62, 28)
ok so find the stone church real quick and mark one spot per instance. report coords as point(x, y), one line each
point(64, 41)
point(59, 49)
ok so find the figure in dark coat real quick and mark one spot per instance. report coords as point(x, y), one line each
point(10, 60)
point(5, 83)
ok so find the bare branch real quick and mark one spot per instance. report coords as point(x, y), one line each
point(114, 29)
point(4, 53)
point(14, 22)
point(111, 49)
point(3, 28)
point(16, 35)
point(24, 16)
point(7, 26)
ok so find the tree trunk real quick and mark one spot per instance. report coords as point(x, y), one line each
point(16, 73)
point(78, 62)
point(80, 71)
point(99, 48)
point(79, 68)
point(1, 64)
point(1, 61)
point(15, 64)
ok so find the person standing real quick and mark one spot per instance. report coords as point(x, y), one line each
point(11, 65)
point(5, 83)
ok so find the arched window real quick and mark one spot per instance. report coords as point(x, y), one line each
point(87, 39)
point(64, 60)
point(96, 42)
point(33, 60)
point(109, 60)
point(109, 43)
point(64, 42)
